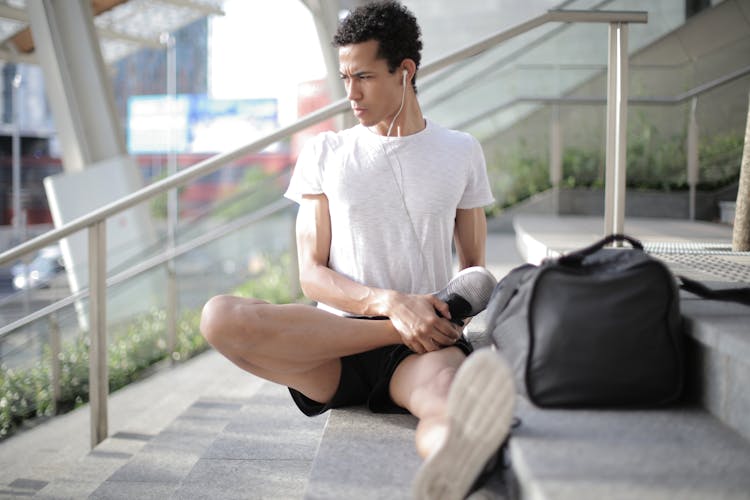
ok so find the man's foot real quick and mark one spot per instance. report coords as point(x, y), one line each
point(468, 293)
point(480, 411)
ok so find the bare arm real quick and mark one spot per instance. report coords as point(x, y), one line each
point(470, 235)
point(412, 315)
point(318, 281)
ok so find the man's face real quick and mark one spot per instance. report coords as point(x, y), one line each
point(374, 93)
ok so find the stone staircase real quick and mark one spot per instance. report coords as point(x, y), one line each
point(261, 447)
point(698, 449)
point(229, 443)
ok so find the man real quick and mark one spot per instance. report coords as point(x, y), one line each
point(378, 207)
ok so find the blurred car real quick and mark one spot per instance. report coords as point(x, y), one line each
point(6, 280)
point(38, 273)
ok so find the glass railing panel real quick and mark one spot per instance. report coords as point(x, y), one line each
point(550, 69)
point(27, 373)
point(250, 259)
point(552, 61)
point(257, 188)
point(241, 186)
point(568, 63)
point(518, 153)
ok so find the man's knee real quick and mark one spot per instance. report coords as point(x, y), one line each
point(223, 314)
point(422, 382)
point(441, 382)
point(213, 315)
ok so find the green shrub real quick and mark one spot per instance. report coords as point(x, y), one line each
point(518, 175)
point(720, 158)
point(26, 393)
point(582, 168)
point(653, 162)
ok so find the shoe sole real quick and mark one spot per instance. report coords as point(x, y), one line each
point(480, 409)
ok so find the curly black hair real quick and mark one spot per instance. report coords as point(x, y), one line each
point(393, 26)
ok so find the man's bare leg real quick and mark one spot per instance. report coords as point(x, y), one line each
point(462, 427)
point(295, 345)
point(421, 384)
point(300, 346)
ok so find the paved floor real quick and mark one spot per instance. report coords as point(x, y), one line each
point(53, 447)
point(540, 234)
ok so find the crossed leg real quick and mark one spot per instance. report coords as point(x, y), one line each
point(421, 384)
point(300, 346)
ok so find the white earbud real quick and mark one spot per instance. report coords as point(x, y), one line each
point(404, 73)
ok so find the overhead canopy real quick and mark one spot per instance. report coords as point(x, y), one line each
point(123, 26)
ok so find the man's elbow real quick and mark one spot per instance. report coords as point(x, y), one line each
point(307, 282)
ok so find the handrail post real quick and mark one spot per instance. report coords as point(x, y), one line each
point(617, 100)
point(171, 316)
point(555, 156)
point(55, 345)
point(693, 160)
point(98, 373)
point(172, 198)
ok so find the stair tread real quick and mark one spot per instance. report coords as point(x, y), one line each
point(264, 444)
point(719, 325)
point(676, 452)
point(627, 454)
point(364, 455)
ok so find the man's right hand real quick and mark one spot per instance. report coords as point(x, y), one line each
point(421, 328)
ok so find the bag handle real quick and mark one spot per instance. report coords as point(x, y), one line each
point(575, 258)
point(741, 295)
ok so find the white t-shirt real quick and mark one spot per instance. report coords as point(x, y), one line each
point(393, 201)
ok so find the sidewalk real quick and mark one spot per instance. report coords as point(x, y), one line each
point(53, 448)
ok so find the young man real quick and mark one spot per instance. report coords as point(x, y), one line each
point(379, 205)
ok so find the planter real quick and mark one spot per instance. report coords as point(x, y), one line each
point(726, 212)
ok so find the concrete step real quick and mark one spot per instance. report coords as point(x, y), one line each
point(261, 447)
point(718, 359)
point(682, 453)
point(718, 354)
point(55, 449)
point(365, 456)
point(677, 452)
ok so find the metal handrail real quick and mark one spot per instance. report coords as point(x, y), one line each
point(152, 262)
point(581, 100)
point(95, 221)
point(191, 173)
point(214, 163)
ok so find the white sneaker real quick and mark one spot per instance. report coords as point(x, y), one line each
point(468, 293)
point(480, 411)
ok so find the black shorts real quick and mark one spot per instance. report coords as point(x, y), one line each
point(365, 380)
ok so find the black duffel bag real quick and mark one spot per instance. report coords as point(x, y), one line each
point(599, 327)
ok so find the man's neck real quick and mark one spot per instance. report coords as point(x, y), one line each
point(410, 121)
